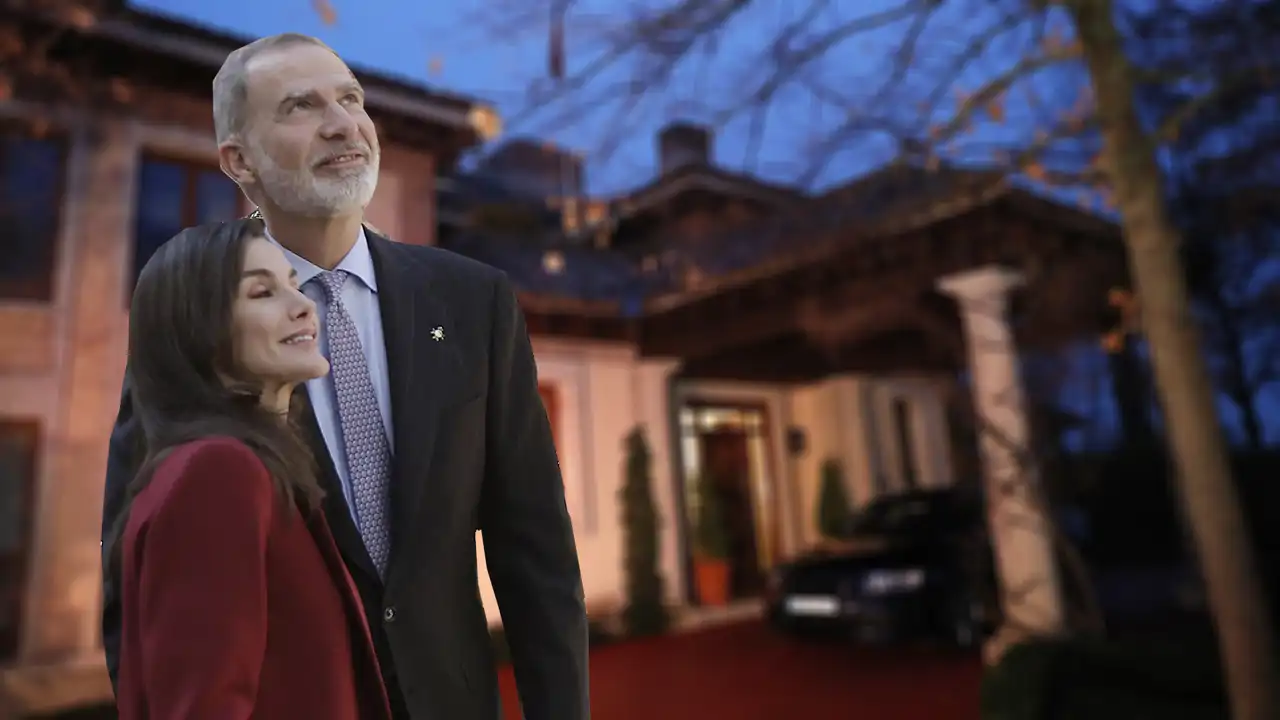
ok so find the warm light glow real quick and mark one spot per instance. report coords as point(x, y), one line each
point(596, 212)
point(485, 121)
point(570, 216)
point(1113, 342)
point(553, 262)
point(1118, 297)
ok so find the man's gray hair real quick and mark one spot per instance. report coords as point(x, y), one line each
point(231, 84)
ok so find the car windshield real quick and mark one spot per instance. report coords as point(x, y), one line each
point(894, 516)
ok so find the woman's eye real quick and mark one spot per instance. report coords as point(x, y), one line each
point(259, 293)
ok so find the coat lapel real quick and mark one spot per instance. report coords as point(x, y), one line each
point(362, 639)
point(423, 373)
point(337, 512)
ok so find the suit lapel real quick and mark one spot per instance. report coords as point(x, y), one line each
point(423, 373)
point(345, 533)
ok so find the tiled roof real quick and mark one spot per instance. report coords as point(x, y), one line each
point(586, 274)
point(670, 266)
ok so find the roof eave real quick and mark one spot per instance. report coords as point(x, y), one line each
point(475, 121)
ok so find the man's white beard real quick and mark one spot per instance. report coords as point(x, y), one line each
point(302, 193)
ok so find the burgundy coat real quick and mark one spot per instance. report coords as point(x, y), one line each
point(234, 605)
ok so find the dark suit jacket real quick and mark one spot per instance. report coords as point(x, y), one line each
point(473, 451)
point(235, 606)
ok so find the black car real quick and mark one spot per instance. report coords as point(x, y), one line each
point(911, 566)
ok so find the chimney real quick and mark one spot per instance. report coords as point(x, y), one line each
point(681, 144)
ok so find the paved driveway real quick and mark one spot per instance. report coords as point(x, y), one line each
point(746, 672)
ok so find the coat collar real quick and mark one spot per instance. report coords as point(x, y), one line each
point(357, 263)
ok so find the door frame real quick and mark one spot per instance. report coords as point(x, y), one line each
point(772, 534)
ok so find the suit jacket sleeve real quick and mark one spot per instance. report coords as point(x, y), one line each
point(528, 538)
point(202, 586)
point(123, 458)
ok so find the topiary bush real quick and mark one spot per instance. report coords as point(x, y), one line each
point(645, 612)
point(833, 501)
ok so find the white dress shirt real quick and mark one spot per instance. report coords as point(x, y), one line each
point(360, 297)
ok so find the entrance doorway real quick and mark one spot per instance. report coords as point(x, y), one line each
point(729, 447)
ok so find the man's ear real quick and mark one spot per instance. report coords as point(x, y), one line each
point(235, 164)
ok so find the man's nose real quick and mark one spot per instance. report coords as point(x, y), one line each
point(338, 123)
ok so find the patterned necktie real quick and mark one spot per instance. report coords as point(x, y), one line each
point(364, 438)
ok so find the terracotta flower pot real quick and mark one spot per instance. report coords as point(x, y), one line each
point(712, 578)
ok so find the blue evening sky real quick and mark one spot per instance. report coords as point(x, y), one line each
point(436, 42)
point(456, 45)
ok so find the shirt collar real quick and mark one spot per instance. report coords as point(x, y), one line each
point(357, 263)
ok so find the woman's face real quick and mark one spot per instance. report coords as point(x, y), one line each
point(273, 325)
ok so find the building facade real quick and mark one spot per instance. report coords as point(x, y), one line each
point(751, 332)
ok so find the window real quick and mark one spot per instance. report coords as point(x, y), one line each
point(19, 447)
point(906, 448)
point(177, 194)
point(31, 176)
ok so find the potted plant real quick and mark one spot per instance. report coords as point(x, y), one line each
point(833, 502)
point(711, 546)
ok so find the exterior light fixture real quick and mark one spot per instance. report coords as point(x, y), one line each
point(553, 262)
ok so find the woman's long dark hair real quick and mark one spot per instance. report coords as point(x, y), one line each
point(180, 349)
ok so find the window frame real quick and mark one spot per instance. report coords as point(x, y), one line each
point(24, 130)
point(191, 168)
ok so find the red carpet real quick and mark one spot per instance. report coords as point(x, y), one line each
point(747, 672)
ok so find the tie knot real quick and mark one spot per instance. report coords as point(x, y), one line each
point(331, 282)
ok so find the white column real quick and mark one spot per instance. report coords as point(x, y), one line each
point(1031, 595)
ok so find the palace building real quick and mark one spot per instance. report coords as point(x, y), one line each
point(751, 330)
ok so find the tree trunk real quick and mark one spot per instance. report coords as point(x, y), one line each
point(1182, 378)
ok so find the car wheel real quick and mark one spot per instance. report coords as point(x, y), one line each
point(966, 625)
point(963, 634)
point(870, 634)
